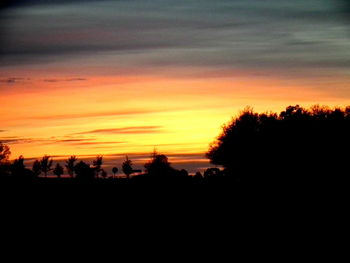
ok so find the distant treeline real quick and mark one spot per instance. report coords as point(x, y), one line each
point(297, 143)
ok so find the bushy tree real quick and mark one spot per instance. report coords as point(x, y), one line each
point(297, 141)
point(58, 171)
point(159, 165)
point(83, 171)
point(127, 167)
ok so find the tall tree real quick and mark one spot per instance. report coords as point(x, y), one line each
point(70, 164)
point(46, 164)
point(97, 164)
point(127, 167)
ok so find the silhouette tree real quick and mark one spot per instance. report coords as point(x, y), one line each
point(83, 171)
point(58, 171)
point(114, 171)
point(298, 141)
point(46, 164)
point(127, 167)
point(36, 168)
point(70, 163)
point(97, 164)
point(18, 167)
point(159, 165)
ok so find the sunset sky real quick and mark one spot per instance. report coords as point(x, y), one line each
point(122, 77)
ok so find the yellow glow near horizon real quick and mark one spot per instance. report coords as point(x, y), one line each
point(106, 115)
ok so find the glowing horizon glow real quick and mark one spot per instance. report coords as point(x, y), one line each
point(136, 116)
point(123, 77)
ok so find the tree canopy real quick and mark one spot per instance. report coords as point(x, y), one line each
point(297, 141)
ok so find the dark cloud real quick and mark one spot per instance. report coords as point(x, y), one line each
point(19, 140)
point(13, 80)
point(21, 3)
point(245, 33)
point(64, 80)
point(126, 130)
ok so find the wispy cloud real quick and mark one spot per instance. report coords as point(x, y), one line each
point(13, 80)
point(126, 130)
point(77, 141)
point(245, 33)
point(96, 114)
point(19, 140)
point(64, 80)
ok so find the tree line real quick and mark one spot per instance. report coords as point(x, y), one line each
point(157, 165)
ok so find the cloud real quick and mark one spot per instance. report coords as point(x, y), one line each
point(241, 33)
point(86, 141)
point(97, 143)
point(95, 114)
point(126, 130)
point(53, 140)
point(18, 140)
point(64, 80)
point(13, 80)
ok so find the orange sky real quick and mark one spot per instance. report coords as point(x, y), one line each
point(122, 77)
point(67, 114)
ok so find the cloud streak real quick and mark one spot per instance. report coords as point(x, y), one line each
point(126, 130)
point(249, 33)
point(76, 141)
point(96, 114)
point(13, 80)
point(64, 80)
